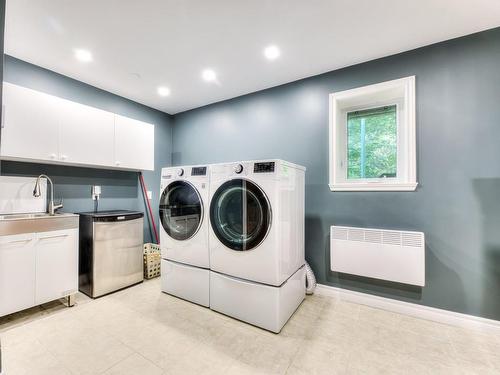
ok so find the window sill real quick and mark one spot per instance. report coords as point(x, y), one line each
point(374, 186)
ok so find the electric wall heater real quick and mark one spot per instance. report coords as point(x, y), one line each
point(381, 254)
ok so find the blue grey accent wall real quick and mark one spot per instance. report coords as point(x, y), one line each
point(120, 189)
point(457, 203)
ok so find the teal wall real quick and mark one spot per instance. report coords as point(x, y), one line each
point(457, 203)
point(120, 190)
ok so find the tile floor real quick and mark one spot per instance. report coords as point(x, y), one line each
point(141, 331)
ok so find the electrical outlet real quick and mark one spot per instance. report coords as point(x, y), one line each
point(150, 194)
point(96, 192)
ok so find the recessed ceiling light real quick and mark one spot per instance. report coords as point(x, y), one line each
point(209, 75)
point(83, 55)
point(163, 91)
point(272, 52)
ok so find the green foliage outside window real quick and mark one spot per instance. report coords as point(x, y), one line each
point(372, 143)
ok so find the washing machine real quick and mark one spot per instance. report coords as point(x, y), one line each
point(184, 197)
point(257, 240)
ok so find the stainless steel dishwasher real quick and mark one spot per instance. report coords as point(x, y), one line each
point(111, 251)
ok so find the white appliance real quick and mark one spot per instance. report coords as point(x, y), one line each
point(392, 255)
point(257, 240)
point(184, 232)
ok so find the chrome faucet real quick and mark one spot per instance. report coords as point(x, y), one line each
point(36, 193)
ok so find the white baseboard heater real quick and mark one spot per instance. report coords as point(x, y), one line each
point(381, 254)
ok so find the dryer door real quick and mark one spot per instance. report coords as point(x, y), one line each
point(181, 210)
point(240, 214)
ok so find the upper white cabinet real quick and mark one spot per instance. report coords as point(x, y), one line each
point(43, 128)
point(30, 124)
point(86, 135)
point(134, 143)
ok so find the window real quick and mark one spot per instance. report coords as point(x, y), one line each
point(372, 145)
point(372, 137)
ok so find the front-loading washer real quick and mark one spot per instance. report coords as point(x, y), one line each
point(256, 241)
point(184, 197)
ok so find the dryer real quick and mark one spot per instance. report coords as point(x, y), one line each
point(257, 220)
point(184, 197)
point(257, 240)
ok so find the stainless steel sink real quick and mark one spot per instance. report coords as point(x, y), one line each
point(36, 222)
point(38, 215)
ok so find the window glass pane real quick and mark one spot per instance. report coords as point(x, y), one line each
point(372, 143)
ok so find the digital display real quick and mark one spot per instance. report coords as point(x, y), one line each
point(199, 171)
point(267, 167)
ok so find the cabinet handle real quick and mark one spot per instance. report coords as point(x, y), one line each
point(19, 241)
point(53, 156)
point(54, 236)
point(63, 157)
point(117, 163)
point(2, 125)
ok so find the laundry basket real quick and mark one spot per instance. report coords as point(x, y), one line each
point(152, 260)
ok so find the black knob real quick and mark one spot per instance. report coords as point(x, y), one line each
point(238, 168)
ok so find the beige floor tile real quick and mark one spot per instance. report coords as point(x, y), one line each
point(431, 365)
point(241, 368)
point(378, 317)
point(91, 352)
point(341, 308)
point(134, 365)
point(319, 358)
point(270, 355)
point(472, 354)
point(423, 327)
point(375, 362)
point(488, 341)
point(140, 330)
point(202, 359)
point(475, 368)
point(31, 358)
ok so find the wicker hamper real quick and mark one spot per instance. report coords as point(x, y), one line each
point(152, 260)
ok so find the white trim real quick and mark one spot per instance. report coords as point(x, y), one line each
point(411, 309)
point(374, 186)
point(402, 90)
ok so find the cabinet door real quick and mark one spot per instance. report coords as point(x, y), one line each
point(30, 124)
point(17, 273)
point(56, 264)
point(86, 135)
point(134, 144)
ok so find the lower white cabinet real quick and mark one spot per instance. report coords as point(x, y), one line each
point(17, 272)
point(56, 265)
point(36, 268)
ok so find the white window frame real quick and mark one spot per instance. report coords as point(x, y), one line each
point(399, 92)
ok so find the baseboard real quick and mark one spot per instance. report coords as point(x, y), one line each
point(412, 309)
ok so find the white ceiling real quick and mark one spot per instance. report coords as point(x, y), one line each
point(138, 45)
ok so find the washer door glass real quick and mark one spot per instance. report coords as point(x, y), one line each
point(240, 214)
point(181, 210)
